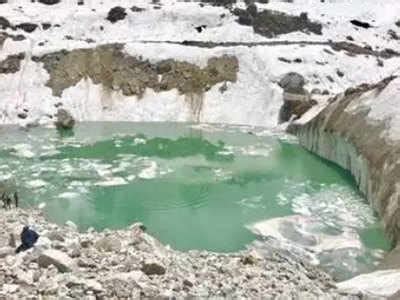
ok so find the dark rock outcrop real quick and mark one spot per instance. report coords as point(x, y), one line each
point(296, 100)
point(64, 119)
point(4, 23)
point(271, 23)
point(116, 14)
point(293, 83)
point(11, 64)
point(27, 27)
point(49, 2)
point(226, 3)
point(361, 24)
point(294, 106)
point(137, 9)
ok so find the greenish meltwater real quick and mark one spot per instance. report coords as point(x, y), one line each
point(194, 187)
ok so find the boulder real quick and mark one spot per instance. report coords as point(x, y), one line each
point(25, 276)
point(56, 236)
point(296, 100)
point(64, 119)
point(57, 258)
point(293, 83)
point(12, 63)
point(11, 240)
point(116, 14)
point(49, 2)
point(27, 27)
point(294, 106)
point(137, 9)
point(153, 268)
point(108, 244)
point(5, 251)
point(4, 23)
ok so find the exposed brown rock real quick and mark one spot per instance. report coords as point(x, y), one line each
point(271, 23)
point(11, 64)
point(110, 66)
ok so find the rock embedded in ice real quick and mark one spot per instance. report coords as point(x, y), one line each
point(116, 14)
point(64, 119)
point(293, 83)
point(49, 2)
point(296, 100)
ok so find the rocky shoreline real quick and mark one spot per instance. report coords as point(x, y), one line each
point(130, 264)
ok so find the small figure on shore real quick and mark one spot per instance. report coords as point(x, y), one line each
point(16, 199)
point(11, 241)
point(6, 201)
point(3, 199)
point(28, 239)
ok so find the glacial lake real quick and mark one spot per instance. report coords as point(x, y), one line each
point(193, 186)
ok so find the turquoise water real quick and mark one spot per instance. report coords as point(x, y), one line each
point(194, 187)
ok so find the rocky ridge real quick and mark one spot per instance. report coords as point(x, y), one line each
point(130, 264)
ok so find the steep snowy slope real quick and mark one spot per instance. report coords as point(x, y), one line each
point(342, 56)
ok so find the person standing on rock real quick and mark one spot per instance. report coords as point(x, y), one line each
point(3, 199)
point(28, 239)
point(16, 199)
point(6, 201)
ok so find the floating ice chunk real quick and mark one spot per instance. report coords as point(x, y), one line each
point(149, 172)
point(121, 167)
point(37, 183)
point(23, 150)
point(4, 177)
point(167, 171)
point(305, 238)
point(206, 127)
point(68, 195)
point(282, 199)
point(138, 141)
point(131, 177)
point(306, 232)
point(112, 181)
point(252, 202)
point(257, 151)
point(225, 152)
point(103, 169)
